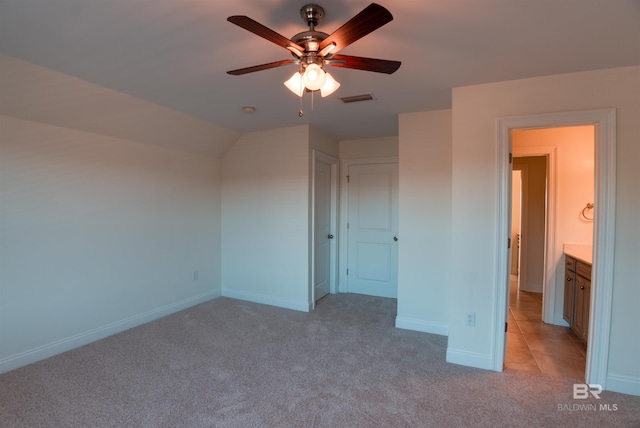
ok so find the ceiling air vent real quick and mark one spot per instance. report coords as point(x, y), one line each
point(357, 98)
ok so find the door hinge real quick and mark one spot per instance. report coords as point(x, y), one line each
point(347, 225)
point(510, 157)
point(347, 178)
point(509, 243)
point(506, 326)
point(347, 272)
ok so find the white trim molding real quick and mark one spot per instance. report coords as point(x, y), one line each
point(603, 234)
point(265, 299)
point(471, 359)
point(423, 326)
point(623, 384)
point(549, 278)
point(59, 346)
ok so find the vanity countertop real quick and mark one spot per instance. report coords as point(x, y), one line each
point(582, 252)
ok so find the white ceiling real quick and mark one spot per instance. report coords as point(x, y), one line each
point(176, 52)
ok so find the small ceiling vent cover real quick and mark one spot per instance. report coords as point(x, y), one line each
point(357, 98)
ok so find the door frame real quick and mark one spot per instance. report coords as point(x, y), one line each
point(317, 156)
point(343, 242)
point(549, 276)
point(516, 240)
point(603, 233)
point(523, 263)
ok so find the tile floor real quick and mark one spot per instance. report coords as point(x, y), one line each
point(536, 347)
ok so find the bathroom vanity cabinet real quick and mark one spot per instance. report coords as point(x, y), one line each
point(577, 295)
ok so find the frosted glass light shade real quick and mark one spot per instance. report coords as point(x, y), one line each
point(295, 84)
point(330, 86)
point(314, 77)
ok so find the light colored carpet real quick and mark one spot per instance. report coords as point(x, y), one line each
point(228, 363)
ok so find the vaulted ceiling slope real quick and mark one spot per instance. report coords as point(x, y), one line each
point(39, 94)
point(176, 53)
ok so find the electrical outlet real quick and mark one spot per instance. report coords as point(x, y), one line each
point(471, 319)
point(195, 275)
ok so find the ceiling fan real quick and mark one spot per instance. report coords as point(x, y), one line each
point(312, 49)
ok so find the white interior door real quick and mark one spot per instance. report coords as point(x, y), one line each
point(323, 233)
point(372, 259)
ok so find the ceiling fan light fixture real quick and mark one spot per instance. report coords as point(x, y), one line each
point(330, 86)
point(314, 77)
point(295, 84)
point(314, 49)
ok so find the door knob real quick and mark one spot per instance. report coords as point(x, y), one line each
point(330, 236)
point(395, 238)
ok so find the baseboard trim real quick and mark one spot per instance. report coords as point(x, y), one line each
point(296, 305)
point(470, 359)
point(59, 346)
point(534, 288)
point(623, 384)
point(423, 326)
point(558, 320)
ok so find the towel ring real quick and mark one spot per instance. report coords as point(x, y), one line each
point(588, 207)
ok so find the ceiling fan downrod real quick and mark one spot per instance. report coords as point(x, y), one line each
point(312, 14)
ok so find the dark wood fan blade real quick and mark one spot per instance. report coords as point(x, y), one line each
point(367, 64)
point(260, 67)
point(371, 18)
point(262, 31)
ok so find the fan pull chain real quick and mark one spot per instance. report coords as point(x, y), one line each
point(300, 112)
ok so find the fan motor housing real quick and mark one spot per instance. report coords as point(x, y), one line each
point(312, 14)
point(309, 39)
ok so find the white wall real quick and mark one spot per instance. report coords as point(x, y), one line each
point(108, 204)
point(369, 148)
point(265, 218)
point(475, 244)
point(323, 143)
point(98, 234)
point(424, 221)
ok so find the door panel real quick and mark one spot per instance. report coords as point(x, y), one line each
point(373, 224)
point(374, 261)
point(374, 201)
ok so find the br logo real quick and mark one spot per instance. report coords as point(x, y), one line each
point(581, 391)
